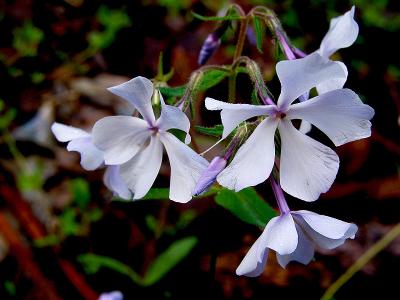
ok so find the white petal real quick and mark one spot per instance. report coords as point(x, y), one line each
point(115, 295)
point(173, 117)
point(342, 33)
point(234, 114)
point(305, 127)
point(280, 234)
point(304, 252)
point(65, 133)
point(138, 92)
point(325, 231)
point(91, 156)
point(120, 137)
point(340, 114)
point(254, 160)
point(307, 168)
point(333, 84)
point(186, 168)
point(299, 76)
point(113, 181)
point(251, 266)
point(141, 171)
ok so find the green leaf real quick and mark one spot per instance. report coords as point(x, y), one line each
point(216, 18)
point(26, 39)
point(157, 194)
point(168, 259)
point(213, 131)
point(211, 78)
point(80, 191)
point(247, 205)
point(92, 264)
point(259, 32)
point(7, 118)
point(173, 91)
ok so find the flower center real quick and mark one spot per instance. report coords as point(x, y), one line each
point(280, 115)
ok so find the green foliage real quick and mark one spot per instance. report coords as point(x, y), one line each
point(213, 131)
point(6, 116)
point(113, 21)
point(247, 205)
point(157, 194)
point(259, 32)
point(26, 39)
point(168, 260)
point(216, 18)
point(210, 78)
point(68, 222)
point(172, 91)
point(80, 191)
point(31, 178)
point(164, 263)
point(10, 288)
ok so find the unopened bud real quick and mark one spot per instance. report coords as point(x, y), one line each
point(209, 175)
point(211, 44)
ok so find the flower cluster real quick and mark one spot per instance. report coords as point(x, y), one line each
point(131, 148)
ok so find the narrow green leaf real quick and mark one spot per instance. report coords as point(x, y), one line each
point(80, 191)
point(168, 259)
point(214, 131)
point(259, 32)
point(211, 78)
point(247, 205)
point(157, 194)
point(173, 91)
point(216, 18)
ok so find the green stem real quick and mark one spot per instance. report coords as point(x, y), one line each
point(232, 86)
point(241, 38)
point(362, 261)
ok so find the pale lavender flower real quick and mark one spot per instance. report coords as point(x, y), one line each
point(307, 167)
point(209, 175)
point(137, 144)
point(115, 295)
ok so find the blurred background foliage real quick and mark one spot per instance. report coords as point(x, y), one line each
point(61, 236)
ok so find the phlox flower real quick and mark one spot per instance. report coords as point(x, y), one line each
point(91, 157)
point(307, 167)
point(136, 145)
point(115, 295)
point(294, 236)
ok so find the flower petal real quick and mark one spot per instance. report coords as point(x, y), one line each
point(138, 92)
point(325, 231)
point(304, 252)
point(340, 114)
point(234, 114)
point(298, 76)
point(307, 168)
point(280, 234)
point(342, 33)
point(335, 83)
point(141, 171)
point(251, 266)
point(186, 168)
point(120, 137)
point(113, 181)
point(254, 160)
point(91, 156)
point(173, 117)
point(65, 133)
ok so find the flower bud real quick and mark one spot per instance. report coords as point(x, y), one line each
point(209, 175)
point(211, 44)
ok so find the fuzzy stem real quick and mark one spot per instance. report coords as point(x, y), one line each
point(280, 197)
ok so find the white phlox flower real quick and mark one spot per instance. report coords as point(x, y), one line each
point(307, 167)
point(91, 156)
point(136, 145)
point(115, 295)
point(342, 33)
point(294, 236)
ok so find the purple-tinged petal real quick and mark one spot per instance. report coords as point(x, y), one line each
point(342, 33)
point(91, 156)
point(251, 265)
point(325, 231)
point(186, 168)
point(304, 252)
point(307, 167)
point(299, 76)
point(234, 114)
point(138, 92)
point(140, 172)
point(120, 137)
point(115, 295)
point(340, 114)
point(65, 133)
point(209, 175)
point(254, 160)
point(173, 117)
point(113, 181)
point(335, 83)
point(280, 235)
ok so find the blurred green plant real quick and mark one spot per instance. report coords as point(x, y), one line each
point(26, 39)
